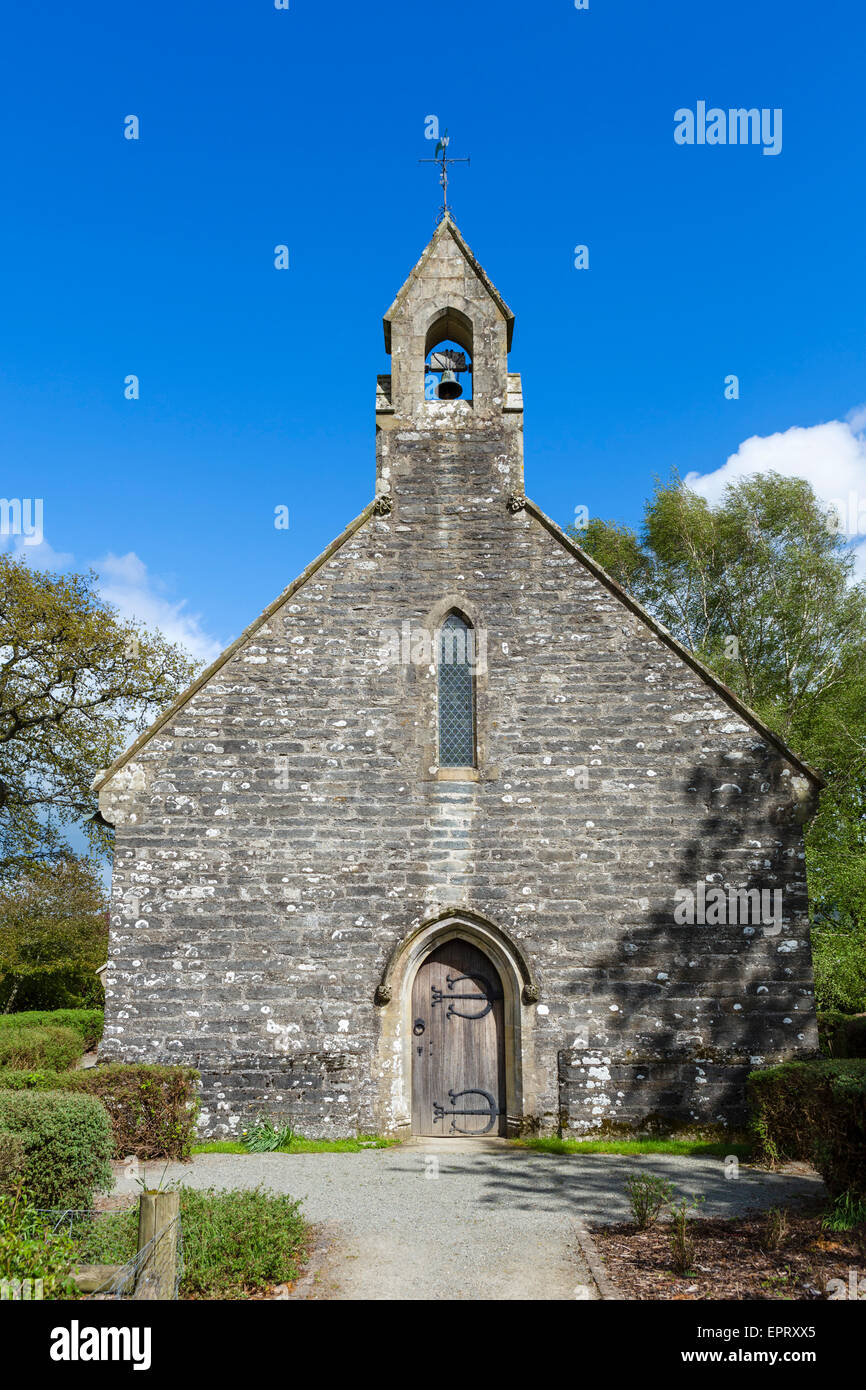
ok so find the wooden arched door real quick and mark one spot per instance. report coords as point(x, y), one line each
point(458, 1051)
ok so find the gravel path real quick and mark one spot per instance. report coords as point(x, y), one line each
point(429, 1222)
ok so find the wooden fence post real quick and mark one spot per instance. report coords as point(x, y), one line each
point(158, 1216)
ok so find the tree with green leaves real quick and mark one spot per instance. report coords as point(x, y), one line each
point(77, 683)
point(760, 588)
point(53, 936)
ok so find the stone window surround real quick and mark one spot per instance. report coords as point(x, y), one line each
point(429, 701)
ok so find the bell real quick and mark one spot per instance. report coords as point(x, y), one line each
point(449, 388)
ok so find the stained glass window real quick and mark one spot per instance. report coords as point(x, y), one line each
point(456, 693)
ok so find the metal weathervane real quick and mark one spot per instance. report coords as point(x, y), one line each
point(443, 159)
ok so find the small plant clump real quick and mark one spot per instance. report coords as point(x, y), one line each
point(776, 1226)
point(266, 1136)
point(648, 1196)
point(682, 1244)
point(846, 1213)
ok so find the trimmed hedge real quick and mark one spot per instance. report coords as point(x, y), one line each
point(153, 1110)
point(88, 1022)
point(815, 1111)
point(842, 1035)
point(52, 1048)
point(58, 1144)
point(12, 1157)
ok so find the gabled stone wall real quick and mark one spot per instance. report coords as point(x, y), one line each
point(287, 828)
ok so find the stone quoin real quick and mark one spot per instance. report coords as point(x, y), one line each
point(375, 895)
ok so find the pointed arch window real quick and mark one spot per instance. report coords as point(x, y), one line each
point(456, 671)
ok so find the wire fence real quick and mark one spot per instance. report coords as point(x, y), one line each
point(74, 1221)
point(155, 1270)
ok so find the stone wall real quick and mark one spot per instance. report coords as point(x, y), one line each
point(319, 1090)
point(288, 827)
point(651, 1097)
point(254, 918)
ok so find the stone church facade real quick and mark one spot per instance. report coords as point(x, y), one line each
point(552, 923)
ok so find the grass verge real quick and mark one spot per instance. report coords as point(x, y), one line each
point(689, 1148)
point(303, 1146)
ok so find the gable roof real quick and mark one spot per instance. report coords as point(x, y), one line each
point(448, 228)
point(723, 691)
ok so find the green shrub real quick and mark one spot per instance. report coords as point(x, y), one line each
point(12, 1157)
point(648, 1196)
point(815, 1111)
point(829, 1023)
point(88, 1022)
point(30, 1249)
point(153, 1110)
point(842, 1035)
point(234, 1242)
point(54, 1049)
point(66, 1141)
point(682, 1243)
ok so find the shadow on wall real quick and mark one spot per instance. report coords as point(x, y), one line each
point(693, 1005)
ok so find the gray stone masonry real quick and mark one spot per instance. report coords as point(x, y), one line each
point(286, 829)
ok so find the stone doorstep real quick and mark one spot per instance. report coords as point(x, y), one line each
point(433, 1144)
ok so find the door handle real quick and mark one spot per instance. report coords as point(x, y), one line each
point(418, 1027)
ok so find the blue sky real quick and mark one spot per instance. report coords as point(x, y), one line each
point(261, 126)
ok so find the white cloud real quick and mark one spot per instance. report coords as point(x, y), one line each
point(40, 557)
point(857, 419)
point(125, 582)
point(832, 457)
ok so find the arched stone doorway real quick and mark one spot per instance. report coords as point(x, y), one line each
point(458, 1043)
point(394, 995)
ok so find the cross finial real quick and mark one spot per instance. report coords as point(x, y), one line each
point(443, 159)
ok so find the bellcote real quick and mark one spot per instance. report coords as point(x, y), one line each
point(448, 333)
